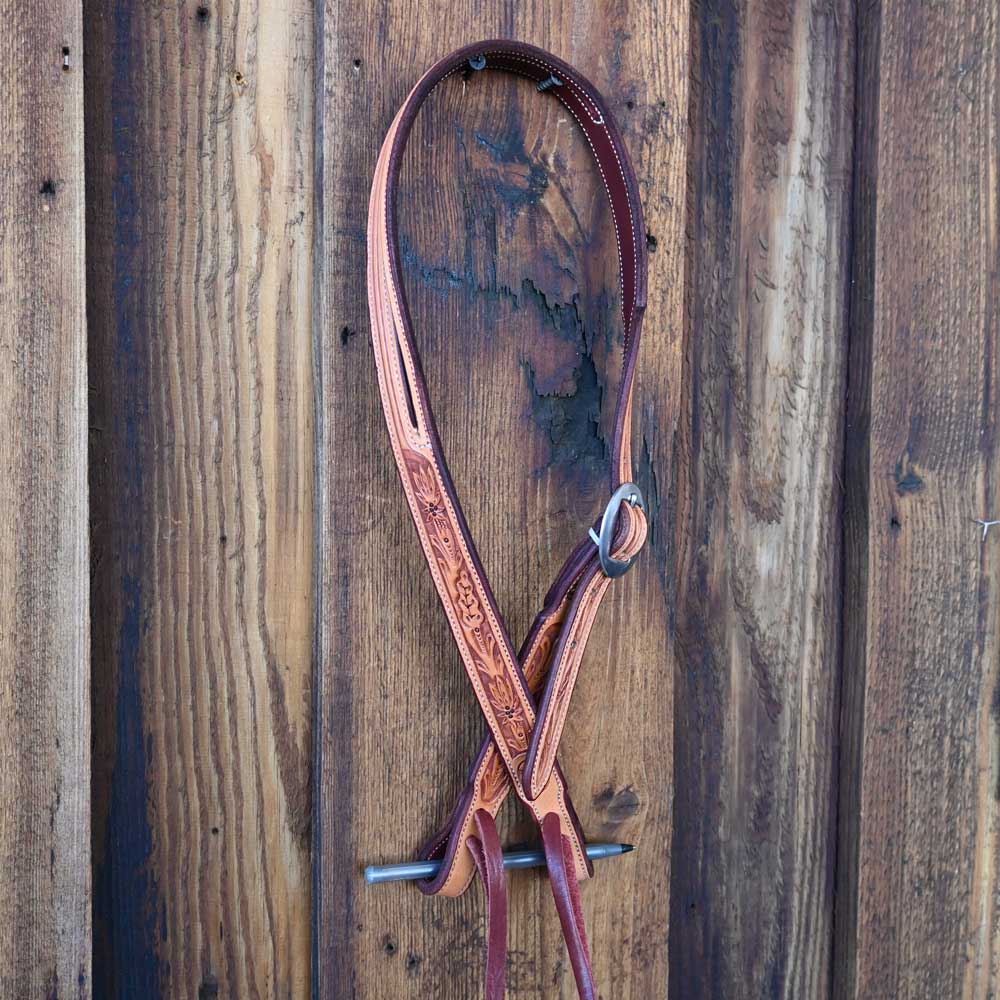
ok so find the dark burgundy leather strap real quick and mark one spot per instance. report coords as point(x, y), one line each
point(488, 855)
point(525, 697)
point(566, 892)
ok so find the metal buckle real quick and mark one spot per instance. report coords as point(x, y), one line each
point(615, 567)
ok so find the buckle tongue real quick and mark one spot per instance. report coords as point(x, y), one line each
point(627, 492)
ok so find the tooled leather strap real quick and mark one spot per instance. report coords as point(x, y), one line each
point(520, 750)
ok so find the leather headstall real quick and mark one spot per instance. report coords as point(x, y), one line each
point(524, 695)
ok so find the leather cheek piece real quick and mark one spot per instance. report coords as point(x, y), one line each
point(524, 697)
point(567, 658)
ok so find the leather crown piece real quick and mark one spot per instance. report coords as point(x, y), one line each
point(524, 696)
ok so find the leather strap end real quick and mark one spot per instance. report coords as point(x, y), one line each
point(566, 892)
point(488, 855)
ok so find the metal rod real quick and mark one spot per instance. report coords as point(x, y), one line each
point(511, 860)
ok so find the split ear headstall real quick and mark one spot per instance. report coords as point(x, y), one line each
point(524, 696)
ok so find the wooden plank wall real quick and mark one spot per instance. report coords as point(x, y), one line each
point(44, 621)
point(200, 221)
point(924, 696)
point(790, 705)
point(759, 538)
point(506, 239)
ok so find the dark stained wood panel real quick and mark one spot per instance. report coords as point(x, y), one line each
point(44, 619)
point(856, 460)
point(758, 509)
point(200, 154)
point(926, 688)
point(512, 275)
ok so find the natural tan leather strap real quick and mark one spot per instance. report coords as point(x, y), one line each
point(524, 697)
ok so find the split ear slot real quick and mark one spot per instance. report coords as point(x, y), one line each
point(404, 376)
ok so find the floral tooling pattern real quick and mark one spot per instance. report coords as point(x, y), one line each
point(507, 708)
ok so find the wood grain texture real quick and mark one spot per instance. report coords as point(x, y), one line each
point(513, 281)
point(927, 833)
point(759, 540)
point(200, 163)
point(856, 460)
point(44, 621)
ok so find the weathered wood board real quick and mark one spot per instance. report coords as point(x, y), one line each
point(44, 578)
point(512, 274)
point(923, 847)
point(759, 496)
point(200, 124)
